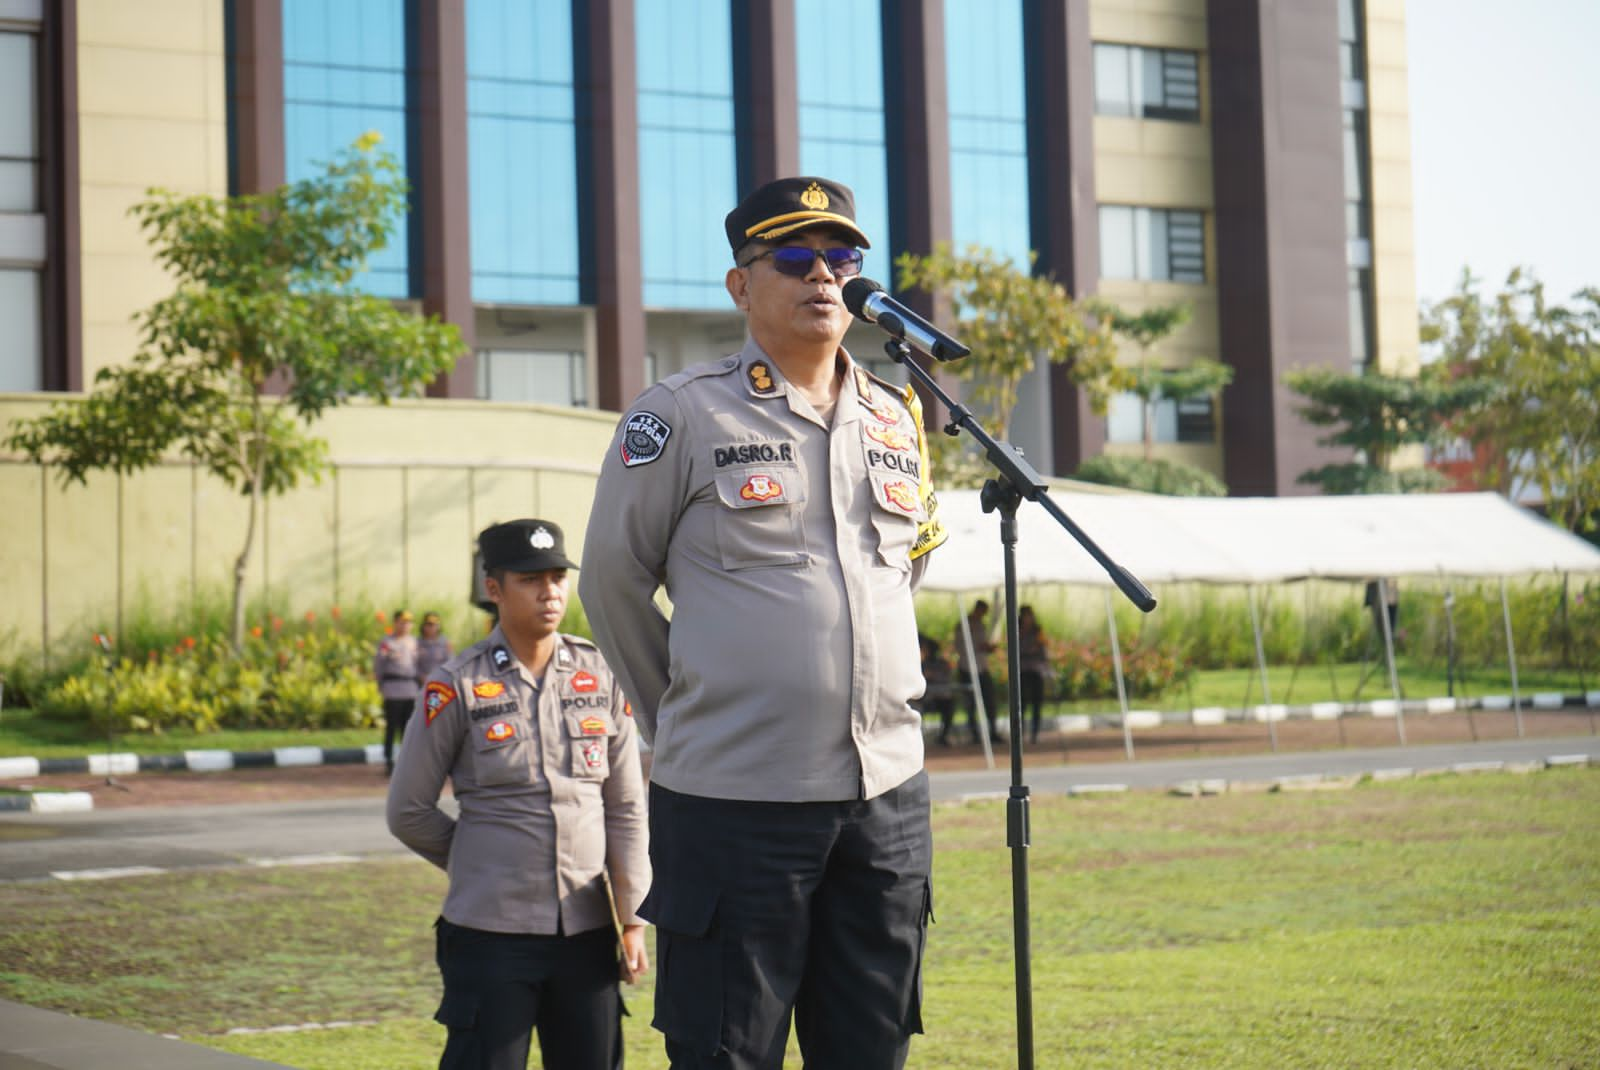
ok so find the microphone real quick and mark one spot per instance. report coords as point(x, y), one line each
point(867, 300)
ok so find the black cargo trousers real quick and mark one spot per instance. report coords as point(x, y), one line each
point(761, 908)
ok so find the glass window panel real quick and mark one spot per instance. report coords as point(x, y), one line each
point(841, 119)
point(1165, 421)
point(988, 128)
point(1186, 251)
point(1197, 420)
point(19, 186)
point(22, 355)
point(547, 378)
point(344, 74)
point(522, 148)
point(687, 164)
point(1360, 339)
point(1113, 93)
point(1125, 419)
point(19, 101)
point(1152, 79)
point(1160, 249)
point(1117, 257)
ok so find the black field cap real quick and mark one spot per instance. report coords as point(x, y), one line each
point(523, 546)
point(787, 205)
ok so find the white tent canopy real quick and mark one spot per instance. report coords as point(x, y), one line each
point(1256, 540)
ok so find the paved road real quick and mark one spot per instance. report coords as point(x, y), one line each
point(38, 846)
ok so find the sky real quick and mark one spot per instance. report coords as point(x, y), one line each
point(1505, 140)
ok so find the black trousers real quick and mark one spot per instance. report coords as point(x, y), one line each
point(396, 712)
point(499, 987)
point(1033, 699)
point(986, 690)
point(763, 909)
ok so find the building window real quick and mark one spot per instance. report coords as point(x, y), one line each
point(1147, 83)
point(1193, 420)
point(1361, 342)
point(1357, 181)
point(522, 149)
point(688, 170)
point(547, 378)
point(841, 119)
point(22, 229)
point(988, 128)
point(344, 74)
point(1152, 243)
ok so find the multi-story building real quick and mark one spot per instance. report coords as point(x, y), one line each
point(571, 162)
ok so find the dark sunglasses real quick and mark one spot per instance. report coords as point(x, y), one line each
point(796, 260)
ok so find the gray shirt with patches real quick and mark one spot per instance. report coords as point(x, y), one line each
point(789, 548)
point(547, 776)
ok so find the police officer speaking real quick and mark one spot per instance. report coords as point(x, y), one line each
point(549, 853)
point(782, 497)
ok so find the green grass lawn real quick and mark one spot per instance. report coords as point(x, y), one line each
point(1449, 922)
point(26, 734)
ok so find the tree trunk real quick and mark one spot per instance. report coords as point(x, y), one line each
point(241, 567)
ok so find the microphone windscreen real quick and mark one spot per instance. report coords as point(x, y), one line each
point(856, 292)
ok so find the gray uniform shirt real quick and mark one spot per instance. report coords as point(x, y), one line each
point(431, 653)
point(395, 666)
point(550, 790)
point(789, 549)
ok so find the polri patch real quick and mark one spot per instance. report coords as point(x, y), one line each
point(489, 689)
point(593, 726)
point(644, 436)
point(499, 732)
point(435, 697)
point(584, 682)
point(594, 753)
point(760, 488)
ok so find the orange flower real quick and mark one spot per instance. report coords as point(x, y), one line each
point(335, 613)
point(277, 624)
point(256, 631)
point(188, 642)
point(388, 631)
point(379, 617)
point(311, 616)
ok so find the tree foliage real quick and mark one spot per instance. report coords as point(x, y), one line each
point(1540, 365)
point(1012, 320)
point(1376, 415)
point(1151, 382)
point(1160, 476)
point(264, 295)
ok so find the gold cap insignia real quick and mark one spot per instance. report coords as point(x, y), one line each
point(814, 198)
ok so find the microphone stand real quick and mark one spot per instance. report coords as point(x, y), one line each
point(1017, 480)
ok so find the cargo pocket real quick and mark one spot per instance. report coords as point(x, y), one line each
point(758, 525)
point(458, 1011)
point(689, 988)
point(589, 741)
point(502, 753)
point(913, 1022)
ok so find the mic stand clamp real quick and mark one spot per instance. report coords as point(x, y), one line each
point(1017, 479)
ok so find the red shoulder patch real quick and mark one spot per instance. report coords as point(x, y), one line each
point(435, 697)
point(584, 682)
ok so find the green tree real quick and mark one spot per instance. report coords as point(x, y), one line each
point(1540, 363)
point(1377, 415)
point(1152, 383)
point(1011, 320)
point(1159, 476)
point(264, 295)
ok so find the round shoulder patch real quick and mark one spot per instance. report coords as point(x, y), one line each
point(644, 436)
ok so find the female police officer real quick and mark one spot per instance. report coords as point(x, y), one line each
point(540, 748)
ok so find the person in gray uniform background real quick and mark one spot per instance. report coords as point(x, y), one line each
point(394, 666)
point(433, 647)
point(782, 497)
point(548, 859)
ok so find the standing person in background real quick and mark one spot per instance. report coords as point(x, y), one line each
point(938, 695)
point(782, 497)
point(548, 858)
point(394, 665)
point(1035, 659)
point(433, 649)
point(982, 647)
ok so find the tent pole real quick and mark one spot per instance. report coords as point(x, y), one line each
point(1261, 665)
point(977, 692)
point(1511, 656)
point(1388, 650)
point(1122, 690)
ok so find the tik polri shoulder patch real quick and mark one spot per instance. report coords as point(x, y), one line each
point(644, 436)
